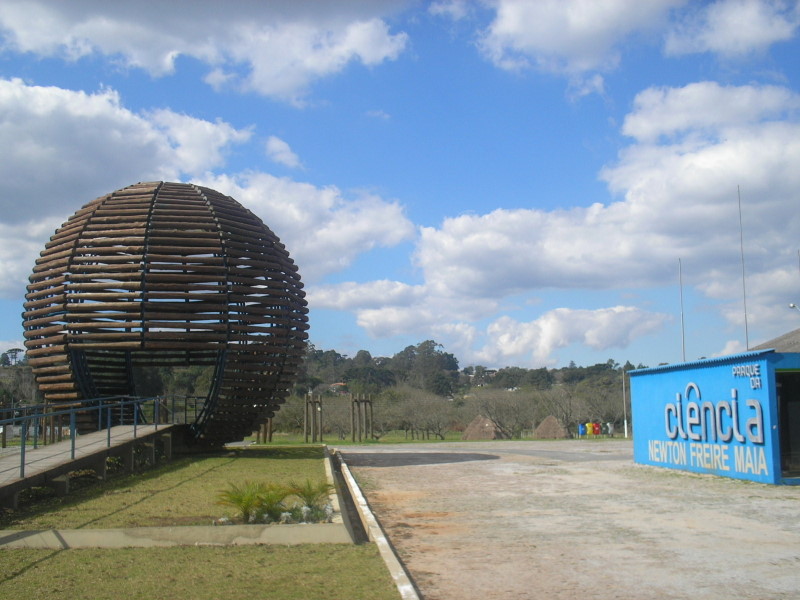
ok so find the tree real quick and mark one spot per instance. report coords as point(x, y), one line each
point(362, 359)
point(368, 379)
point(511, 412)
point(336, 418)
point(426, 366)
point(21, 387)
point(13, 355)
point(563, 403)
point(327, 366)
point(601, 395)
point(291, 415)
point(509, 377)
point(419, 412)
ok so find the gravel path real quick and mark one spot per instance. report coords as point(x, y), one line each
point(577, 519)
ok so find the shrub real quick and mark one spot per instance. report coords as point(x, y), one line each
point(311, 494)
point(272, 498)
point(257, 502)
point(245, 498)
point(313, 497)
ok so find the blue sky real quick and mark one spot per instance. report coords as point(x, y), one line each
point(515, 180)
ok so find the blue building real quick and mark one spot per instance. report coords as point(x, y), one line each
point(736, 416)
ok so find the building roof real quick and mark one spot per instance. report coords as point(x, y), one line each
point(785, 344)
point(704, 362)
point(788, 342)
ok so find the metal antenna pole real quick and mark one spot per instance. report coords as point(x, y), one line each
point(683, 333)
point(744, 289)
point(624, 404)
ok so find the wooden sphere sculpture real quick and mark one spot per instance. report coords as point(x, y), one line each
point(159, 274)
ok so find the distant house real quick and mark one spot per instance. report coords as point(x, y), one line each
point(337, 388)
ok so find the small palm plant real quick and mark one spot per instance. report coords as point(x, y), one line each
point(272, 501)
point(245, 498)
point(314, 496)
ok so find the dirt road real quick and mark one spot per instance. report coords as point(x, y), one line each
point(578, 520)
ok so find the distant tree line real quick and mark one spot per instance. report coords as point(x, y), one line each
point(420, 390)
point(17, 385)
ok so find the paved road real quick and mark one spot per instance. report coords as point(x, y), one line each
point(577, 519)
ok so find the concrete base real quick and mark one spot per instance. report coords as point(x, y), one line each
point(147, 537)
point(10, 500)
point(61, 485)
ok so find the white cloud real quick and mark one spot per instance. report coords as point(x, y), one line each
point(276, 49)
point(579, 38)
point(678, 200)
point(324, 230)
point(280, 152)
point(705, 107)
point(730, 347)
point(57, 140)
point(601, 329)
point(567, 36)
point(379, 114)
point(65, 148)
point(510, 251)
point(6, 345)
point(20, 244)
point(453, 9)
point(734, 27)
point(716, 139)
point(374, 294)
point(594, 84)
point(198, 145)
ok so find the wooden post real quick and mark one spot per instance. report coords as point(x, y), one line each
point(312, 421)
point(352, 418)
point(166, 445)
point(319, 417)
point(358, 418)
point(305, 421)
point(369, 421)
point(363, 435)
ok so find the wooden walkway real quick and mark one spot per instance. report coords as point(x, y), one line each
point(51, 464)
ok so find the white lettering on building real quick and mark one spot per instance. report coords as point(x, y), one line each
point(701, 421)
point(753, 372)
point(699, 432)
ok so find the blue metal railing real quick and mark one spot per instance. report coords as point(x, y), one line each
point(117, 410)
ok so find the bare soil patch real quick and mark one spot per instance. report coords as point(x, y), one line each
point(577, 519)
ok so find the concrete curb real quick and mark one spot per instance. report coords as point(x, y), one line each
point(405, 585)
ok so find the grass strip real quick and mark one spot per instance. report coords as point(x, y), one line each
point(184, 491)
point(319, 572)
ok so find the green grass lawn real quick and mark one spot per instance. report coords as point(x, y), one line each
point(181, 492)
point(184, 492)
point(306, 572)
